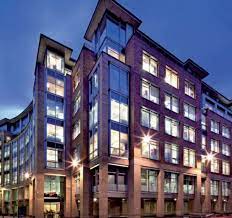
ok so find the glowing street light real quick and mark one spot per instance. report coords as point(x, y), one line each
point(209, 157)
point(75, 163)
point(27, 175)
point(146, 139)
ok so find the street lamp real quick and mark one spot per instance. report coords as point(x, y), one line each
point(209, 157)
point(146, 139)
point(27, 175)
point(75, 162)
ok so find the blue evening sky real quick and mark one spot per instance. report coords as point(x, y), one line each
point(201, 30)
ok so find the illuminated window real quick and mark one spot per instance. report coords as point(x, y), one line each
point(189, 134)
point(170, 182)
point(149, 119)
point(54, 158)
point(76, 129)
point(55, 132)
point(226, 168)
point(225, 189)
point(226, 149)
point(203, 141)
point(93, 145)
point(119, 108)
point(149, 180)
point(214, 126)
point(189, 158)
point(55, 107)
point(77, 103)
point(172, 78)
point(171, 153)
point(214, 187)
point(55, 62)
point(150, 92)
point(189, 89)
point(150, 64)
point(214, 145)
point(119, 142)
point(225, 132)
point(189, 111)
point(150, 150)
point(55, 85)
point(171, 127)
point(171, 103)
point(189, 186)
point(215, 165)
point(93, 114)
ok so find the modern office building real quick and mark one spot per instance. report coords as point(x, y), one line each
point(125, 130)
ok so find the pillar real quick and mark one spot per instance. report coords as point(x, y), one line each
point(206, 207)
point(31, 199)
point(197, 197)
point(180, 197)
point(67, 200)
point(219, 200)
point(134, 190)
point(103, 190)
point(39, 196)
point(160, 199)
point(85, 185)
point(73, 199)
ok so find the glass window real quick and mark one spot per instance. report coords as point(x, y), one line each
point(189, 112)
point(171, 127)
point(189, 134)
point(226, 149)
point(226, 168)
point(55, 85)
point(215, 165)
point(77, 103)
point(55, 132)
point(76, 129)
point(93, 145)
point(203, 141)
point(189, 158)
point(149, 119)
point(119, 109)
point(189, 89)
point(189, 184)
point(150, 92)
point(203, 122)
point(150, 64)
point(172, 78)
point(119, 80)
point(93, 114)
point(214, 145)
point(171, 153)
point(149, 180)
point(55, 62)
point(53, 186)
point(225, 189)
point(170, 182)
point(214, 187)
point(54, 158)
point(214, 126)
point(119, 142)
point(93, 83)
point(225, 132)
point(55, 107)
point(150, 150)
point(76, 80)
point(171, 103)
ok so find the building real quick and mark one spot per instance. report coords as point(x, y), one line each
point(126, 130)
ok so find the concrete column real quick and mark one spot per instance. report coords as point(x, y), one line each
point(31, 199)
point(197, 198)
point(39, 196)
point(73, 198)
point(67, 200)
point(103, 190)
point(85, 183)
point(180, 197)
point(206, 207)
point(160, 199)
point(219, 201)
point(134, 191)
